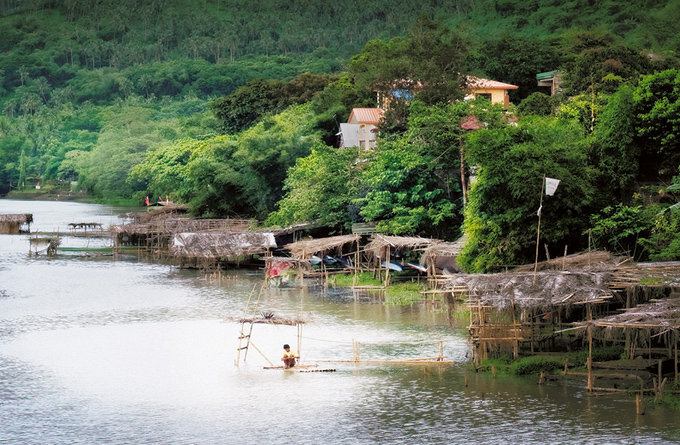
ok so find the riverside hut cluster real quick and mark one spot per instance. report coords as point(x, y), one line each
point(585, 300)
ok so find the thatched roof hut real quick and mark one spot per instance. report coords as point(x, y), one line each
point(215, 245)
point(12, 223)
point(271, 318)
point(177, 225)
point(551, 288)
point(20, 218)
point(660, 274)
point(594, 260)
point(443, 249)
point(658, 315)
point(307, 248)
point(380, 243)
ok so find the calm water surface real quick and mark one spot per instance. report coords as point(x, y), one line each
point(97, 350)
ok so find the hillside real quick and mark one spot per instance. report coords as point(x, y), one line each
point(82, 82)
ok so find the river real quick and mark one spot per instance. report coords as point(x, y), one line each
point(104, 350)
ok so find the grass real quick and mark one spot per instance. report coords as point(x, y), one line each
point(538, 363)
point(347, 280)
point(404, 293)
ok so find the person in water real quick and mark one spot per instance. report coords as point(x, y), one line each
point(288, 357)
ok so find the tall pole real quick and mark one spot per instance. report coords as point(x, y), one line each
point(538, 231)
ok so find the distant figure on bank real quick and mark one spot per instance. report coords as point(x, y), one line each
point(288, 357)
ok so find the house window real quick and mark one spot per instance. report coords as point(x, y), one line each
point(486, 96)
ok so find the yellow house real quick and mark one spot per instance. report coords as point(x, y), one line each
point(496, 92)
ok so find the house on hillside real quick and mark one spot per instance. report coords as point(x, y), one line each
point(361, 128)
point(496, 92)
point(550, 79)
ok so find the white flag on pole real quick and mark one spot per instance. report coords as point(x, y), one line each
point(551, 185)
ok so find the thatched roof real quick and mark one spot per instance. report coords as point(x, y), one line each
point(271, 318)
point(443, 248)
point(660, 315)
point(221, 244)
point(595, 260)
point(306, 248)
point(20, 218)
point(285, 259)
point(647, 274)
point(552, 288)
point(179, 225)
point(380, 242)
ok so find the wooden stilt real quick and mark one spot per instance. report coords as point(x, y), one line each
point(515, 349)
point(387, 266)
point(639, 404)
point(675, 334)
point(589, 363)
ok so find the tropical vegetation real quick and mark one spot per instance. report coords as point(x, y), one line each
point(233, 108)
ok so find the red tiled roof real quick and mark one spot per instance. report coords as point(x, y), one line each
point(366, 115)
point(478, 82)
point(471, 123)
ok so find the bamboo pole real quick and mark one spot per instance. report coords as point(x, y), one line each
point(538, 231)
point(515, 349)
point(261, 353)
point(639, 404)
point(676, 356)
point(462, 172)
point(590, 358)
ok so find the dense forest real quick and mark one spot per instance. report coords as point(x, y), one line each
point(233, 108)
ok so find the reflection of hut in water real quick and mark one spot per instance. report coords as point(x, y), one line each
point(12, 224)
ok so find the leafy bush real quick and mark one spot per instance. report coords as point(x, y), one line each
point(618, 228)
point(537, 103)
point(603, 354)
point(534, 365)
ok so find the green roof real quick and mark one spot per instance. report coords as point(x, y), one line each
point(545, 76)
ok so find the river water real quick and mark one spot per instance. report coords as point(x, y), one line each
point(104, 350)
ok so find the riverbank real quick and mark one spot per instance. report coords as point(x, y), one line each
point(573, 366)
point(65, 195)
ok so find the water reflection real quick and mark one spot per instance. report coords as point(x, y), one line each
point(126, 351)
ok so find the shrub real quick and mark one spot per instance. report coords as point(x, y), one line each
point(534, 365)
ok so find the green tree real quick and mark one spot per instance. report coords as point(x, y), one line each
point(500, 218)
point(657, 108)
point(613, 149)
point(426, 65)
point(320, 188)
point(516, 60)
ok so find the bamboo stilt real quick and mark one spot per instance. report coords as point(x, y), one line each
point(589, 363)
point(676, 356)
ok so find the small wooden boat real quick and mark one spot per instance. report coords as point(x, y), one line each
point(417, 267)
point(315, 260)
point(329, 260)
point(345, 263)
point(393, 266)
